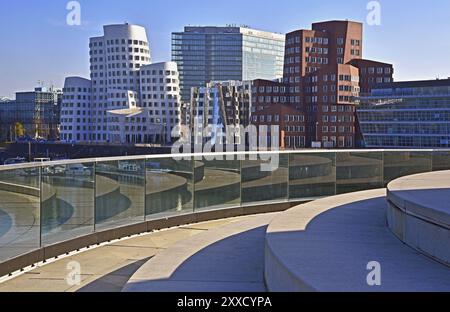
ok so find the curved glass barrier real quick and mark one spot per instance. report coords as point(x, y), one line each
point(44, 204)
point(170, 187)
point(265, 180)
point(119, 193)
point(20, 199)
point(358, 171)
point(312, 175)
point(67, 204)
point(218, 186)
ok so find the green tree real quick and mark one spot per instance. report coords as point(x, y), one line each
point(19, 130)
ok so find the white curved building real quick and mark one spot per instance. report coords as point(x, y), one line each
point(125, 83)
point(75, 109)
point(115, 59)
point(160, 94)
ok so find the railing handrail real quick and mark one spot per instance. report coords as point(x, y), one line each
point(195, 155)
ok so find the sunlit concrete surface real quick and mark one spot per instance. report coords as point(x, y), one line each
point(109, 267)
point(227, 259)
point(426, 194)
point(326, 245)
point(419, 213)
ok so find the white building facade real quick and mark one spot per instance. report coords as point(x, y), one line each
point(76, 110)
point(117, 92)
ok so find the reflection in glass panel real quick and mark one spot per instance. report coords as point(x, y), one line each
point(120, 193)
point(358, 171)
point(218, 184)
point(67, 202)
point(19, 212)
point(259, 184)
point(169, 188)
point(441, 160)
point(401, 164)
point(312, 175)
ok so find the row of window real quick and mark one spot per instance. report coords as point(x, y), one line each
point(269, 89)
point(316, 60)
point(290, 129)
point(338, 108)
point(276, 118)
point(379, 70)
point(72, 89)
point(124, 49)
point(334, 129)
point(118, 41)
point(341, 141)
point(76, 97)
point(339, 118)
point(295, 141)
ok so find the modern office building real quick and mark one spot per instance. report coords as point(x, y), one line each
point(123, 83)
point(207, 54)
point(413, 114)
point(323, 75)
point(35, 114)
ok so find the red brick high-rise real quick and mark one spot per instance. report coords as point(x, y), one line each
point(324, 73)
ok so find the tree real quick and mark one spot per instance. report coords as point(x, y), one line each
point(19, 130)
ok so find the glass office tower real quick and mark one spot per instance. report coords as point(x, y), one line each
point(413, 114)
point(206, 54)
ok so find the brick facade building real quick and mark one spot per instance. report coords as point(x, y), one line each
point(324, 73)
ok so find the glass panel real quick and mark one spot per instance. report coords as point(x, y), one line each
point(312, 175)
point(441, 160)
point(19, 212)
point(259, 184)
point(358, 171)
point(218, 185)
point(169, 188)
point(401, 164)
point(120, 193)
point(67, 202)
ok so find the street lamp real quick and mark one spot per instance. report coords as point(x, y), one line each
point(317, 131)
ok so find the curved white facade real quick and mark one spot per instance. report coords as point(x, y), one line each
point(115, 61)
point(160, 94)
point(124, 82)
point(75, 110)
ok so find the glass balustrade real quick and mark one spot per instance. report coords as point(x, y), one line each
point(20, 218)
point(45, 204)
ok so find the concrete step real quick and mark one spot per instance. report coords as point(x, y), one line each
point(226, 259)
point(327, 245)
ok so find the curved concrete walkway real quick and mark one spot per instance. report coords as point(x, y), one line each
point(109, 267)
point(227, 259)
point(326, 245)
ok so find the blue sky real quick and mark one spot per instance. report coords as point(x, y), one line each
point(37, 44)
